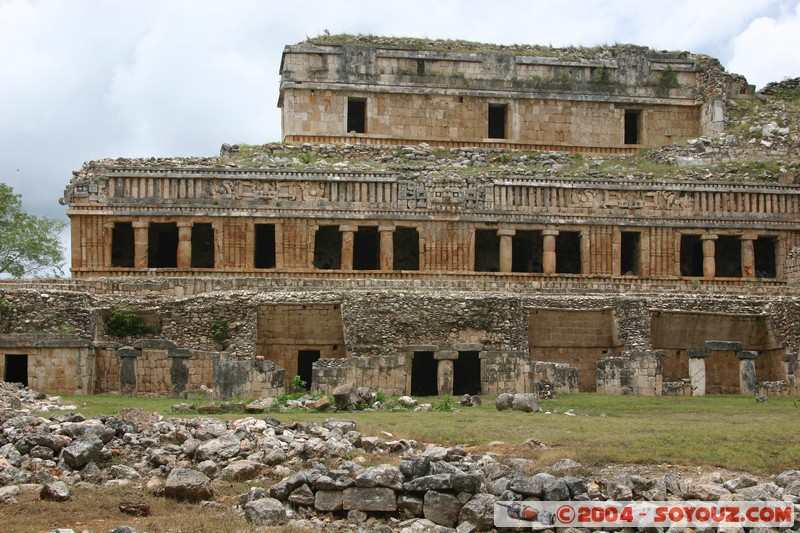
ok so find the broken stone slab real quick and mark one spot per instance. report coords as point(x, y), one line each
point(188, 484)
point(380, 476)
point(302, 495)
point(242, 470)
point(431, 482)
point(531, 486)
point(55, 491)
point(479, 511)
point(266, 512)
point(441, 508)
point(526, 402)
point(328, 501)
point(369, 499)
point(79, 452)
point(504, 401)
point(346, 396)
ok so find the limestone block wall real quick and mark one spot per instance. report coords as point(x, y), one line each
point(636, 373)
point(430, 117)
point(54, 363)
point(390, 374)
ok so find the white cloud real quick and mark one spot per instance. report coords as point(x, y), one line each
point(768, 49)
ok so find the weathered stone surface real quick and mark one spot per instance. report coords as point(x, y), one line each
point(369, 499)
point(240, 471)
point(328, 500)
point(479, 510)
point(786, 478)
point(409, 505)
point(7, 494)
point(134, 508)
point(467, 482)
point(526, 402)
point(432, 482)
point(79, 452)
point(266, 512)
point(531, 486)
point(556, 491)
point(188, 484)
point(346, 396)
point(441, 508)
point(380, 476)
point(414, 467)
point(504, 401)
point(56, 491)
point(124, 472)
point(339, 423)
point(302, 495)
point(220, 448)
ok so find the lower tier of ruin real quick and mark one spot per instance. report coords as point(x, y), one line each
point(249, 337)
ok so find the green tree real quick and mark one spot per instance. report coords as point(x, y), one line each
point(29, 245)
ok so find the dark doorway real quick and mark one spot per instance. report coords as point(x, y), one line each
point(526, 251)
point(630, 262)
point(497, 121)
point(17, 369)
point(632, 117)
point(122, 248)
point(764, 251)
point(406, 249)
point(728, 257)
point(487, 250)
point(356, 115)
point(265, 246)
point(691, 255)
point(162, 243)
point(328, 248)
point(202, 245)
point(423, 374)
point(305, 362)
point(568, 252)
point(366, 249)
point(467, 374)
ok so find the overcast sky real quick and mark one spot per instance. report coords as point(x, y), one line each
point(88, 79)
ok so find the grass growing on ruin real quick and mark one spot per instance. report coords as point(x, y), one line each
point(732, 432)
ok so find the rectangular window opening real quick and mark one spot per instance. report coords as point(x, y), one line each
point(162, 245)
point(265, 246)
point(691, 255)
point(122, 245)
point(764, 251)
point(497, 121)
point(568, 252)
point(366, 249)
point(632, 124)
point(328, 248)
point(728, 257)
point(202, 245)
point(356, 115)
point(630, 251)
point(526, 251)
point(487, 251)
point(405, 249)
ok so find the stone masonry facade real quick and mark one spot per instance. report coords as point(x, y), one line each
point(421, 270)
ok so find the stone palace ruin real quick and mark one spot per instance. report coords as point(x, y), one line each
point(443, 218)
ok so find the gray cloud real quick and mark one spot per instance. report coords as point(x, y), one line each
point(86, 79)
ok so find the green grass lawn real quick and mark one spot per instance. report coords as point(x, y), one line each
point(732, 432)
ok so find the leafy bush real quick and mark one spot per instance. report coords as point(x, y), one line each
point(124, 323)
point(220, 330)
point(445, 404)
point(298, 384)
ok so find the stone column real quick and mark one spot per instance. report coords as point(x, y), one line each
point(184, 245)
point(140, 244)
point(586, 253)
point(387, 247)
point(506, 249)
point(747, 372)
point(709, 256)
point(348, 237)
point(748, 256)
point(697, 371)
point(444, 371)
point(127, 369)
point(108, 237)
point(549, 251)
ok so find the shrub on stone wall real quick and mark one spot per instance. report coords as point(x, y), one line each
point(124, 323)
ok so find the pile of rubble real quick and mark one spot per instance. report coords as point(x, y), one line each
point(14, 397)
point(419, 488)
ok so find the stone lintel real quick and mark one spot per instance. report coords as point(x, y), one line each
point(709, 237)
point(723, 346)
point(348, 227)
point(140, 224)
point(385, 227)
point(748, 236)
point(697, 354)
point(549, 232)
point(505, 232)
point(450, 355)
point(746, 354)
point(179, 352)
point(184, 223)
point(422, 348)
point(468, 346)
point(128, 351)
point(153, 344)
